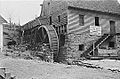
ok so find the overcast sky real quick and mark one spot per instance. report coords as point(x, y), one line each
point(23, 10)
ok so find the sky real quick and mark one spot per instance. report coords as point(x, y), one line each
point(20, 11)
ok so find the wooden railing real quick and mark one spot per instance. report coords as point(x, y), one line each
point(96, 44)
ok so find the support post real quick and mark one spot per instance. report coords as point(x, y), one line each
point(8, 75)
point(93, 49)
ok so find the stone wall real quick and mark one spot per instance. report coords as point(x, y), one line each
point(72, 42)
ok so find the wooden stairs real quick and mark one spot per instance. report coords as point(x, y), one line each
point(90, 50)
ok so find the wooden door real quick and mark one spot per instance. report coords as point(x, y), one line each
point(112, 27)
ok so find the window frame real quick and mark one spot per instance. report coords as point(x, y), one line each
point(65, 28)
point(81, 20)
point(58, 18)
point(97, 23)
point(81, 47)
point(50, 18)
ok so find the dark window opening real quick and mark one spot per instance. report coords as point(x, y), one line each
point(112, 44)
point(50, 20)
point(65, 28)
point(81, 47)
point(81, 20)
point(62, 39)
point(59, 18)
point(48, 3)
point(96, 21)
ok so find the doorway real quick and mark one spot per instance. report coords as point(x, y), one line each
point(112, 44)
point(112, 27)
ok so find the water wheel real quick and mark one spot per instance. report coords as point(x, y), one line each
point(48, 35)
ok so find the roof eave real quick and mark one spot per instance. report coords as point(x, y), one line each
point(78, 8)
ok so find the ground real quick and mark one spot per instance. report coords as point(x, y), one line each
point(34, 69)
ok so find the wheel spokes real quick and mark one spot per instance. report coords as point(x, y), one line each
point(45, 37)
point(40, 38)
point(42, 35)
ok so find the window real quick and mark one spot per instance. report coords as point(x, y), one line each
point(112, 44)
point(81, 20)
point(65, 28)
point(81, 47)
point(59, 18)
point(62, 39)
point(96, 21)
point(112, 27)
point(48, 3)
point(50, 20)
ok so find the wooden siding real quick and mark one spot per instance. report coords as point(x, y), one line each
point(118, 27)
point(104, 23)
point(74, 27)
point(73, 23)
point(63, 19)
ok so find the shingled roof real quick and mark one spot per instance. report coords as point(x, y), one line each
point(109, 6)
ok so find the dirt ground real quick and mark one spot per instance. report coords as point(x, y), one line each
point(106, 63)
point(34, 69)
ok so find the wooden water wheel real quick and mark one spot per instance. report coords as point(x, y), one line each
point(48, 35)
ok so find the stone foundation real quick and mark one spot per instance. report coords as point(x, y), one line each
point(72, 42)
